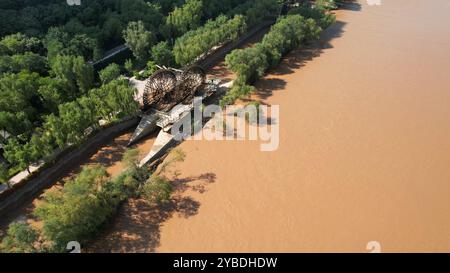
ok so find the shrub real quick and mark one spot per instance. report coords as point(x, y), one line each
point(20, 238)
point(162, 54)
point(251, 63)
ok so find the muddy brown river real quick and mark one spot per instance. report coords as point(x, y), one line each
point(364, 151)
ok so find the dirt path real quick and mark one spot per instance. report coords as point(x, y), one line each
point(364, 151)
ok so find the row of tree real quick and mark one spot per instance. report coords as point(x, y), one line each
point(195, 43)
point(60, 29)
point(185, 21)
point(288, 33)
point(78, 210)
point(256, 11)
point(112, 100)
point(43, 79)
point(198, 42)
point(27, 97)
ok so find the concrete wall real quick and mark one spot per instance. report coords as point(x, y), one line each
point(28, 189)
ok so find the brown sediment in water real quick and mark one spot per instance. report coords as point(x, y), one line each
point(363, 156)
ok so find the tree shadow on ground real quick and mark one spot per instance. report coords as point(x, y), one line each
point(137, 226)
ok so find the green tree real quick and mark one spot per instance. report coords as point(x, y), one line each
point(238, 90)
point(111, 72)
point(131, 158)
point(4, 176)
point(23, 155)
point(54, 126)
point(18, 91)
point(28, 61)
point(5, 63)
point(75, 73)
point(89, 111)
point(138, 39)
point(19, 43)
point(75, 212)
point(74, 121)
point(53, 92)
point(162, 54)
point(20, 238)
point(249, 64)
point(129, 66)
point(184, 18)
point(319, 14)
point(131, 162)
point(83, 45)
point(326, 4)
point(157, 190)
point(15, 123)
point(114, 99)
point(55, 41)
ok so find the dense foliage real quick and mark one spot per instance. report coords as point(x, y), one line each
point(195, 43)
point(256, 11)
point(138, 39)
point(317, 11)
point(288, 33)
point(108, 102)
point(77, 211)
point(95, 24)
point(51, 98)
point(21, 238)
point(46, 46)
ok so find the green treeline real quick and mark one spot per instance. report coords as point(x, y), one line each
point(288, 33)
point(95, 26)
point(44, 69)
point(197, 42)
point(50, 96)
point(109, 102)
point(86, 203)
